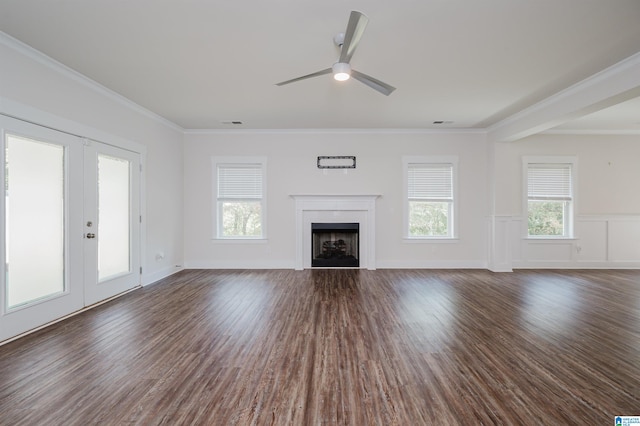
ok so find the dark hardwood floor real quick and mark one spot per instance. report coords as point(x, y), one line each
point(352, 347)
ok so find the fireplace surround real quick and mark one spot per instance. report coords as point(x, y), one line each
point(359, 208)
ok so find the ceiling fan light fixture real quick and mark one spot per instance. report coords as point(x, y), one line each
point(341, 71)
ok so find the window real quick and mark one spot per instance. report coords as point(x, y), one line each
point(240, 199)
point(430, 194)
point(550, 197)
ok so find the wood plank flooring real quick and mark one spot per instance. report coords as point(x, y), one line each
point(344, 347)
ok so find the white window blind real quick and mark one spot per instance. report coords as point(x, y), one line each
point(430, 182)
point(549, 182)
point(240, 181)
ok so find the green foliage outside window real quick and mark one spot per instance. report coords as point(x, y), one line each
point(428, 219)
point(546, 218)
point(241, 219)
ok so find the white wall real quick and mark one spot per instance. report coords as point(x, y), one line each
point(35, 88)
point(490, 192)
point(291, 169)
point(607, 206)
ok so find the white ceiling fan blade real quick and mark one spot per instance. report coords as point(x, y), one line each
point(374, 83)
point(315, 74)
point(355, 28)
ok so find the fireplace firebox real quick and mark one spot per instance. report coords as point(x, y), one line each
point(335, 245)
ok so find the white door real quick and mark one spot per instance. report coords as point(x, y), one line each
point(111, 221)
point(70, 224)
point(42, 227)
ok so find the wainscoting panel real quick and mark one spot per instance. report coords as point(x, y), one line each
point(603, 241)
point(515, 238)
point(500, 245)
point(591, 245)
point(624, 240)
point(551, 252)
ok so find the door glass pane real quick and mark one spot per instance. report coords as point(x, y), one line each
point(113, 217)
point(35, 209)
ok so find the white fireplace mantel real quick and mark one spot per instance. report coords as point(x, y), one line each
point(334, 208)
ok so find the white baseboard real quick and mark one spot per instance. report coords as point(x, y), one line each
point(575, 265)
point(499, 269)
point(433, 264)
point(148, 279)
point(393, 264)
point(240, 264)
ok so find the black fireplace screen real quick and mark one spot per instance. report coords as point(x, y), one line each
point(335, 244)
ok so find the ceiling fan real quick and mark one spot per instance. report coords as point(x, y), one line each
point(348, 42)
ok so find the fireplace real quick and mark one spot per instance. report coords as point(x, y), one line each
point(342, 208)
point(335, 245)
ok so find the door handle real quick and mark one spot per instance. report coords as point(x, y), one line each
point(90, 235)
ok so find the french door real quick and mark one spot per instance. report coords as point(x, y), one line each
point(111, 221)
point(70, 224)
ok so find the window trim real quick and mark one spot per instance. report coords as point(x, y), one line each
point(570, 219)
point(215, 205)
point(453, 220)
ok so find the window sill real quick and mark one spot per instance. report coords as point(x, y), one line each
point(428, 240)
point(239, 240)
point(549, 239)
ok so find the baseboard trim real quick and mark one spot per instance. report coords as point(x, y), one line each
point(159, 275)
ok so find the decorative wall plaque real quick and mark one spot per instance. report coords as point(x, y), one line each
point(337, 162)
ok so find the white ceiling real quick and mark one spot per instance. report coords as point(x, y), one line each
point(202, 63)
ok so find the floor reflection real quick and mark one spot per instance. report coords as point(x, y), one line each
point(428, 309)
point(550, 308)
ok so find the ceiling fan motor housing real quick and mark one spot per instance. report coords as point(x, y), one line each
point(341, 71)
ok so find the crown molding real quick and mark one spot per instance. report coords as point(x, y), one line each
point(478, 131)
point(37, 56)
